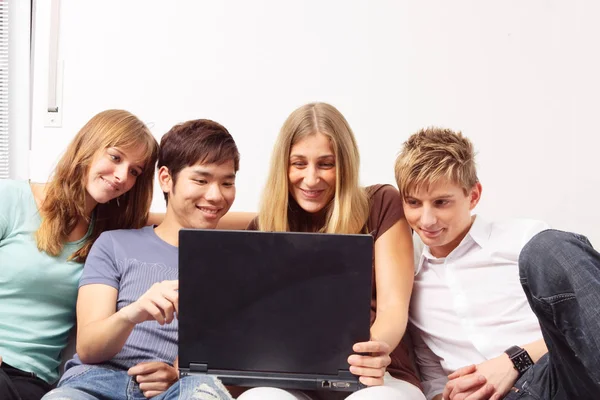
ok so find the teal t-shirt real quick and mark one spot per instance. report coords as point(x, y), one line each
point(38, 292)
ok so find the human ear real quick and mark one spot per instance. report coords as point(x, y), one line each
point(164, 179)
point(475, 195)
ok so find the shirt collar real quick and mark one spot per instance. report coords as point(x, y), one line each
point(479, 233)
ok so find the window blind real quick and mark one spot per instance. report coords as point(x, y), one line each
point(4, 4)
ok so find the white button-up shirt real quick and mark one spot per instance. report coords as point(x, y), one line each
point(469, 307)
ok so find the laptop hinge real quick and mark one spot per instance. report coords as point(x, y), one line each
point(198, 367)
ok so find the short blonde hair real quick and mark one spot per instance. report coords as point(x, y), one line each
point(435, 154)
point(349, 210)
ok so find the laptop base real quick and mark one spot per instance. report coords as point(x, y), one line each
point(343, 382)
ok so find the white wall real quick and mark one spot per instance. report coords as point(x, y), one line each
point(520, 78)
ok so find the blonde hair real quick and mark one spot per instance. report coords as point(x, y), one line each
point(65, 198)
point(349, 210)
point(435, 154)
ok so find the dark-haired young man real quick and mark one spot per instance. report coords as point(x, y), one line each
point(128, 296)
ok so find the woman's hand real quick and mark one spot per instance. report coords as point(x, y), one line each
point(370, 366)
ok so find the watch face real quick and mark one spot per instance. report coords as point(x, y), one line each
point(522, 362)
point(520, 358)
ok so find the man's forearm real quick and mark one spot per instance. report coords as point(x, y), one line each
point(101, 340)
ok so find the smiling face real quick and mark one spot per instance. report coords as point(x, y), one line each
point(312, 173)
point(201, 194)
point(113, 171)
point(441, 214)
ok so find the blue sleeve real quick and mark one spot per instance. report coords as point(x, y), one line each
point(101, 264)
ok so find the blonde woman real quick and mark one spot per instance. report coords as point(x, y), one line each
point(102, 182)
point(313, 187)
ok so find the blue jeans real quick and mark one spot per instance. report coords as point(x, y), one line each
point(560, 273)
point(91, 382)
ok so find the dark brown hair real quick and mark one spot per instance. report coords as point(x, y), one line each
point(197, 141)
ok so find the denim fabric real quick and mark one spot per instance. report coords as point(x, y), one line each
point(560, 273)
point(97, 383)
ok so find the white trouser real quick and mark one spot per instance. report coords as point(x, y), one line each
point(392, 389)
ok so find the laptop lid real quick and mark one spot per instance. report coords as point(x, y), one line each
point(278, 304)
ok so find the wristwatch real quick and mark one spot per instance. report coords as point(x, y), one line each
point(520, 359)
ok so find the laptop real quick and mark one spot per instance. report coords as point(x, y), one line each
point(277, 309)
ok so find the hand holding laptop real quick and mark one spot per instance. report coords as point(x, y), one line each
point(371, 363)
point(159, 303)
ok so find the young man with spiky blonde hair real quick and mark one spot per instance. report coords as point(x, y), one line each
point(477, 308)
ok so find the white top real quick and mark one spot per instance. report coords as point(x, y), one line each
point(469, 307)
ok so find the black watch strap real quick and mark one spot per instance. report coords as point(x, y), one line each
point(520, 359)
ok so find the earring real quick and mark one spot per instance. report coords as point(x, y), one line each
point(118, 205)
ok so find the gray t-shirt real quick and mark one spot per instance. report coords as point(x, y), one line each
point(131, 261)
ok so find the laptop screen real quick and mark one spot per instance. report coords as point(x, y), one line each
point(273, 302)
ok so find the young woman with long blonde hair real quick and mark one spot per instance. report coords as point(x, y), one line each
point(102, 182)
point(313, 186)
